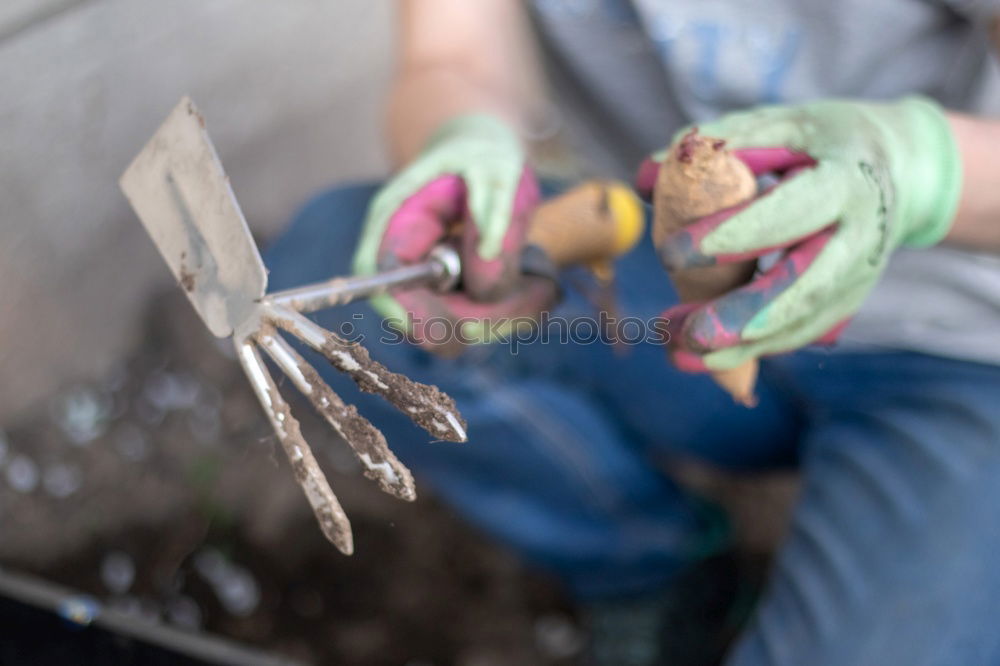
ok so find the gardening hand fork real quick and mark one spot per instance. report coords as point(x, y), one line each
point(180, 192)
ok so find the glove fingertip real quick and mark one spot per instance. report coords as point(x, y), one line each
point(688, 361)
point(761, 160)
point(645, 178)
point(709, 329)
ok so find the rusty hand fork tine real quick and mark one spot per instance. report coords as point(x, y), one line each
point(367, 442)
point(332, 519)
point(427, 406)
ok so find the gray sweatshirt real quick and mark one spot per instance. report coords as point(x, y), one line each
point(629, 73)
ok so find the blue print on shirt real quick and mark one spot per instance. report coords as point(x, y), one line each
point(717, 57)
point(708, 36)
point(781, 63)
point(621, 12)
point(714, 55)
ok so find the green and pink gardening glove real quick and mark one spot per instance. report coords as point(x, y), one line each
point(857, 180)
point(471, 180)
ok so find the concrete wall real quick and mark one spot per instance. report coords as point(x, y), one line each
point(291, 91)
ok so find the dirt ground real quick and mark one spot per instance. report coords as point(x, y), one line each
point(162, 492)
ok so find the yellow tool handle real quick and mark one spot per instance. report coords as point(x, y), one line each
point(591, 224)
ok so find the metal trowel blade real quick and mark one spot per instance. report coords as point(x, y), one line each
point(180, 192)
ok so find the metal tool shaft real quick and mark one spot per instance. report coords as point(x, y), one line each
point(440, 271)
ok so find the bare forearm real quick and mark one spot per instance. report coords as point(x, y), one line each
point(421, 100)
point(457, 57)
point(977, 222)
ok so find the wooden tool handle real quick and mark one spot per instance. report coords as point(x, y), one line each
point(591, 224)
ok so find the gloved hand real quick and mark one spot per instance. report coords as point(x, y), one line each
point(858, 180)
point(472, 175)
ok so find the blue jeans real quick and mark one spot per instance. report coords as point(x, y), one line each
point(893, 556)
